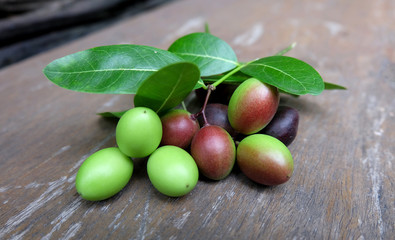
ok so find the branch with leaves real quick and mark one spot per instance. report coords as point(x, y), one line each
point(162, 79)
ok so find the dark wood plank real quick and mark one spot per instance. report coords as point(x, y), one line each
point(343, 183)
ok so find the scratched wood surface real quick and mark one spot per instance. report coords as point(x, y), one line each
point(343, 182)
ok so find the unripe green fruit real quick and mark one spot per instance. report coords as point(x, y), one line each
point(103, 174)
point(214, 152)
point(252, 106)
point(139, 132)
point(172, 171)
point(178, 128)
point(264, 159)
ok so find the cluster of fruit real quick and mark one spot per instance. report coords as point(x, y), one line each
point(252, 130)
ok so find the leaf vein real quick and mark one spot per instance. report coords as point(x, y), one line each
point(105, 70)
point(171, 93)
point(208, 56)
point(285, 73)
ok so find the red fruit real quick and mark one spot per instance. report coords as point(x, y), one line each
point(264, 159)
point(214, 152)
point(178, 128)
point(252, 106)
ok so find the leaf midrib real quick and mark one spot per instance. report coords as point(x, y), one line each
point(105, 70)
point(171, 93)
point(207, 56)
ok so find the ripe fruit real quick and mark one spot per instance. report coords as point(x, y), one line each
point(217, 114)
point(214, 152)
point(139, 132)
point(178, 128)
point(284, 125)
point(172, 171)
point(252, 106)
point(264, 159)
point(103, 174)
point(222, 93)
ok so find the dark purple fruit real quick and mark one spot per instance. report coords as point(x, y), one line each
point(284, 125)
point(217, 114)
point(221, 94)
point(178, 128)
point(264, 159)
point(214, 152)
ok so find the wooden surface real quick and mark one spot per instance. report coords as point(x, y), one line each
point(343, 182)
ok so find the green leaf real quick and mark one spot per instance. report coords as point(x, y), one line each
point(112, 114)
point(287, 93)
point(286, 73)
point(200, 84)
point(236, 78)
point(167, 87)
point(332, 86)
point(211, 54)
point(114, 69)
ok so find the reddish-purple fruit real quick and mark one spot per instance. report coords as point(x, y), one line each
point(214, 152)
point(284, 125)
point(264, 159)
point(221, 94)
point(178, 128)
point(217, 114)
point(252, 106)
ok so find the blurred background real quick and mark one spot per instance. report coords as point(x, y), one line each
point(28, 27)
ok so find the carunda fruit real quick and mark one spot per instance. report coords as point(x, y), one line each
point(103, 174)
point(138, 132)
point(178, 128)
point(217, 114)
point(284, 125)
point(222, 93)
point(264, 159)
point(172, 171)
point(214, 152)
point(252, 106)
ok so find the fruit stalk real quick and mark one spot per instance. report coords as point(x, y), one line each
point(195, 116)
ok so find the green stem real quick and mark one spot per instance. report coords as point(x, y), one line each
point(206, 28)
point(219, 81)
point(202, 84)
point(285, 50)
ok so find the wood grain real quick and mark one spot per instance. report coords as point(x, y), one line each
point(343, 182)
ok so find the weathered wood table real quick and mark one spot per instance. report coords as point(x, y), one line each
point(343, 182)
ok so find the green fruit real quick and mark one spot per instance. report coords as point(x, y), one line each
point(103, 174)
point(264, 159)
point(139, 132)
point(252, 106)
point(172, 171)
